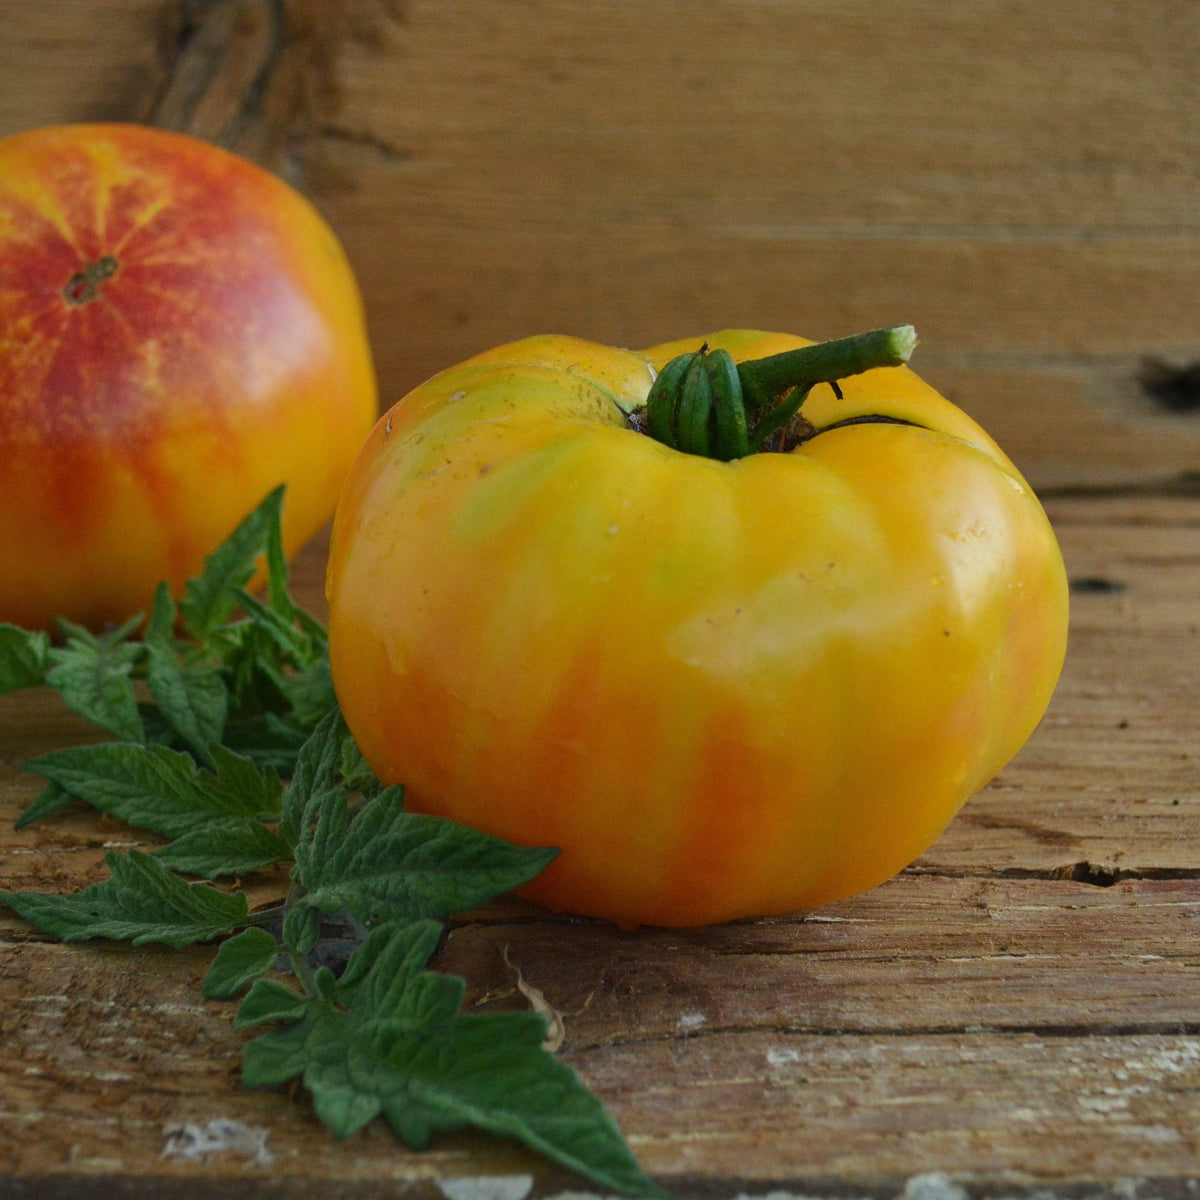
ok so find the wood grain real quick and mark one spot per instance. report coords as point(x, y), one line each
point(1018, 1013)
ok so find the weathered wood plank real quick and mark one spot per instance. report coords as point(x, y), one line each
point(808, 167)
point(60, 63)
point(1015, 118)
point(1002, 1111)
point(1017, 180)
point(434, 302)
point(918, 955)
point(107, 1048)
point(868, 1042)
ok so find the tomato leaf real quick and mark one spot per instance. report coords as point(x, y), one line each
point(94, 677)
point(160, 789)
point(267, 739)
point(387, 864)
point(279, 597)
point(261, 676)
point(190, 694)
point(225, 846)
point(317, 775)
point(301, 928)
point(270, 1000)
point(247, 658)
point(24, 657)
point(190, 697)
point(356, 771)
point(490, 1072)
point(240, 961)
point(141, 902)
point(51, 800)
point(310, 692)
point(390, 1040)
point(209, 599)
point(292, 642)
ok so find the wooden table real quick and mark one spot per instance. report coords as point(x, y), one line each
point(1017, 1014)
point(1020, 1009)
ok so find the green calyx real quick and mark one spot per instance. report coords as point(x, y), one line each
point(704, 403)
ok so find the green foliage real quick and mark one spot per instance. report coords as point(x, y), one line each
point(189, 691)
point(23, 658)
point(209, 599)
point(216, 701)
point(51, 800)
point(142, 902)
point(389, 862)
point(161, 789)
point(225, 846)
point(388, 1039)
point(240, 961)
point(221, 668)
point(94, 676)
point(385, 863)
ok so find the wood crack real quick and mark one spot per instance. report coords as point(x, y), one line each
point(364, 138)
point(1096, 874)
point(1182, 484)
point(222, 66)
point(1048, 1031)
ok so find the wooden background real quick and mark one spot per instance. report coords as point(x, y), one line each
point(1018, 1013)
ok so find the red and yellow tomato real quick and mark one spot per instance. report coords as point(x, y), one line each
point(180, 332)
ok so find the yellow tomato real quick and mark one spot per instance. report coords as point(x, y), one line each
point(180, 332)
point(722, 689)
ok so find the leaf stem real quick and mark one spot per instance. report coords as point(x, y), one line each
point(270, 917)
point(304, 973)
point(297, 958)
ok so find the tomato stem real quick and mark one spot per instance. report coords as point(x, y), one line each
point(85, 285)
point(702, 403)
point(763, 379)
